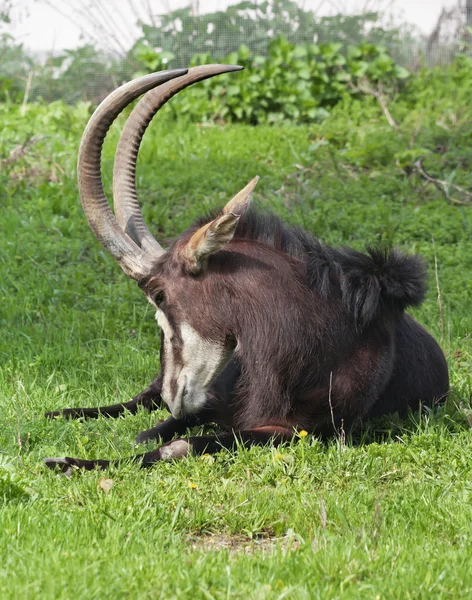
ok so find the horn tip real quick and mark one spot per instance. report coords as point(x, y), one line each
point(230, 68)
point(164, 75)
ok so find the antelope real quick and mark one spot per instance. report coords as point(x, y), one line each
point(265, 330)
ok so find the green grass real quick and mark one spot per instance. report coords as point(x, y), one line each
point(388, 515)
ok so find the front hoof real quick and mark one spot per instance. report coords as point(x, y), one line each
point(67, 413)
point(52, 415)
point(65, 465)
point(149, 435)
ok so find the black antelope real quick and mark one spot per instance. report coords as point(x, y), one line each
point(264, 329)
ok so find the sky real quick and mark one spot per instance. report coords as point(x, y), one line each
point(41, 28)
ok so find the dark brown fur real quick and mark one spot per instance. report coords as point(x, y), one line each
point(323, 339)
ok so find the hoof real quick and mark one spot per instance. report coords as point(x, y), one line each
point(149, 435)
point(53, 414)
point(71, 413)
point(65, 465)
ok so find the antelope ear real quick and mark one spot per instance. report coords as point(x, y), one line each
point(242, 199)
point(208, 239)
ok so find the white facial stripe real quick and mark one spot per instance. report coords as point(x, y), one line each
point(169, 374)
point(200, 356)
point(201, 361)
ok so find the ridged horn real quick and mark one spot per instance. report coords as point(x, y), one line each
point(132, 259)
point(126, 204)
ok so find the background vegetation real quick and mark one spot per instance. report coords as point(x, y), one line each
point(386, 513)
point(115, 48)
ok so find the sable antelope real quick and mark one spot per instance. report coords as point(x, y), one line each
point(264, 329)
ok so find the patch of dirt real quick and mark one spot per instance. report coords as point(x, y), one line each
point(239, 543)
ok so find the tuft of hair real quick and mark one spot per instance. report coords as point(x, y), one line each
point(380, 279)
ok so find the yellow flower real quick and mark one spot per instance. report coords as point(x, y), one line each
point(192, 486)
point(208, 458)
point(278, 456)
point(303, 433)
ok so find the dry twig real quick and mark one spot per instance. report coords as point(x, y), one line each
point(440, 306)
point(19, 151)
point(443, 186)
point(340, 433)
point(365, 87)
point(27, 92)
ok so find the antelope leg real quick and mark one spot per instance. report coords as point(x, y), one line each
point(150, 399)
point(181, 448)
point(165, 430)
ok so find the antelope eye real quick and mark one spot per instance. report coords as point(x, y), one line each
point(158, 298)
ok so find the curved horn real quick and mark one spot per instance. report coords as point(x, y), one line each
point(126, 204)
point(106, 229)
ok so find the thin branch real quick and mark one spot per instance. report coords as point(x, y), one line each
point(384, 107)
point(20, 151)
point(433, 38)
point(340, 433)
point(416, 131)
point(443, 186)
point(330, 403)
point(27, 91)
point(365, 88)
point(342, 436)
point(440, 305)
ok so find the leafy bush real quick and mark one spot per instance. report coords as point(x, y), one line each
point(269, 30)
point(298, 83)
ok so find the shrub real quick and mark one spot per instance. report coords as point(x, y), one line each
point(300, 83)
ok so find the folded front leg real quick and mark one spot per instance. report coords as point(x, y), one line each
point(150, 399)
point(165, 430)
point(210, 444)
point(180, 448)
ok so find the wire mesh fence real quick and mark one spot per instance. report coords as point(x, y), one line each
point(121, 37)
